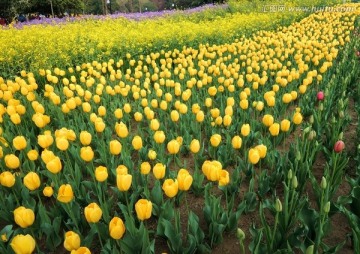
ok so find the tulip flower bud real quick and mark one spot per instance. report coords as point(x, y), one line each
point(72, 241)
point(48, 191)
point(341, 114)
point(240, 234)
point(310, 250)
point(170, 187)
point(290, 174)
point(32, 181)
point(320, 96)
point(327, 207)
point(195, 146)
point(65, 193)
point(298, 156)
point(307, 130)
point(101, 173)
point(123, 181)
point(312, 135)
point(341, 135)
point(278, 205)
point(323, 183)
point(7, 179)
point(339, 146)
point(294, 182)
point(333, 120)
point(311, 119)
point(341, 103)
point(321, 107)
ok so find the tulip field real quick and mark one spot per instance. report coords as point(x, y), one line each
point(245, 142)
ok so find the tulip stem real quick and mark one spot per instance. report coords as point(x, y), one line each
point(98, 231)
point(37, 246)
point(72, 216)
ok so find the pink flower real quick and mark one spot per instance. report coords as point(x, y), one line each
point(339, 146)
point(320, 95)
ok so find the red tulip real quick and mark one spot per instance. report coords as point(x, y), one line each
point(320, 95)
point(339, 146)
point(358, 53)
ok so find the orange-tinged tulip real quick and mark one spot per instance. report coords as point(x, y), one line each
point(184, 179)
point(93, 213)
point(19, 143)
point(86, 153)
point(12, 161)
point(123, 181)
point(170, 187)
point(173, 146)
point(72, 241)
point(32, 181)
point(65, 193)
point(24, 217)
point(23, 244)
point(143, 208)
point(159, 170)
point(115, 147)
point(7, 179)
point(101, 173)
point(116, 228)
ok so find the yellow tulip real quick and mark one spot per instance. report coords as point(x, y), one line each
point(184, 179)
point(62, 143)
point(236, 142)
point(152, 154)
point(118, 113)
point(173, 146)
point(274, 129)
point(227, 120)
point(72, 241)
point(54, 166)
point(93, 213)
point(24, 217)
point(7, 179)
point(200, 116)
point(47, 156)
point(245, 130)
point(143, 208)
point(262, 149)
point(195, 146)
point(65, 193)
point(174, 116)
point(244, 104)
point(116, 228)
point(154, 124)
point(145, 168)
point(32, 155)
point(115, 147)
point(19, 143)
point(85, 138)
point(122, 170)
point(48, 191)
point(121, 130)
point(159, 137)
point(287, 98)
point(159, 170)
point(268, 120)
point(137, 143)
point(45, 140)
point(15, 118)
point(285, 125)
point(101, 173)
point(170, 187)
point(86, 153)
point(297, 118)
point(99, 125)
point(32, 181)
point(123, 181)
point(23, 244)
point(81, 250)
point(253, 156)
point(12, 161)
point(224, 178)
point(102, 111)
